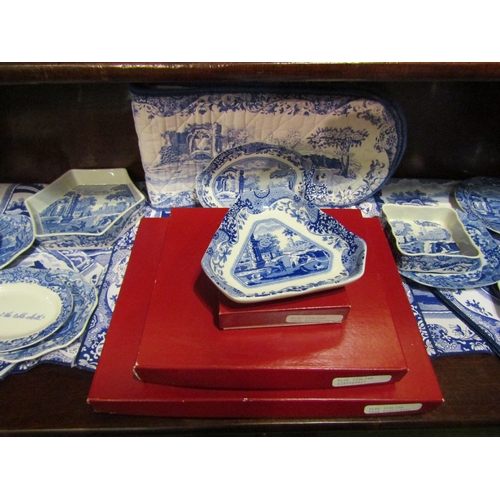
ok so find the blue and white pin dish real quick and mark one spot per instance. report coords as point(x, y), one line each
point(16, 236)
point(85, 209)
point(251, 167)
point(481, 195)
point(486, 274)
point(85, 302)
point(274, 244)
point(429, 239)
point(33, 306)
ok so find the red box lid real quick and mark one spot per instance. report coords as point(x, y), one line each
point(114, 388)
point(182, 344)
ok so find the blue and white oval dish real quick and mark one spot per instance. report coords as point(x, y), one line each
point(251, 167)
point(34, 304)
point(274, 244)
point(85, 302)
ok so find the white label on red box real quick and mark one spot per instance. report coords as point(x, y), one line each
point(371, 409)
point(372, 379)
point(314, 318)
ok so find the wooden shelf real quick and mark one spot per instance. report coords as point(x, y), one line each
point(182, 73)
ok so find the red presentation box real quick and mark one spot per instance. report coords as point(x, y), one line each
point(326, 307)
point(114, 388)
point(182, 344)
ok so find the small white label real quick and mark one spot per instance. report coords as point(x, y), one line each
point(374, 379)
point(371, 409)
point(314, 318)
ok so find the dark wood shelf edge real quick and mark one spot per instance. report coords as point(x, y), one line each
point(183, 73)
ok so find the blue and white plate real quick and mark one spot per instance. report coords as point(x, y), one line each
point(251, 167)
point(274, 244)
point(488, 272)
point(481, 195)
point(85, 301)
point(34, 304)
point(16, 236)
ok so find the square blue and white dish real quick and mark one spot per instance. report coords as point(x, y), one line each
point(85, 209)
point(16, 236)
point(488, 271)
point(274, 244)
point(429, 239)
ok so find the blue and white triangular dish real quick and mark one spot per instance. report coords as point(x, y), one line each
point(274, 244)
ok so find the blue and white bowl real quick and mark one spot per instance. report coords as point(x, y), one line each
point(429, 239)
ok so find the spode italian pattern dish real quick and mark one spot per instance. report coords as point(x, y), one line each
point(16, 236)
point(251, 167)
point(85, 209)
point(273, 244)
point(487, 273)
point(429, 239)
point(33, 305)
point(85, 301)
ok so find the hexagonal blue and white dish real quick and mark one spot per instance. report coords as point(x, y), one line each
point(274, 244)
point(429, 239)
point(16, 236)
point(251, 167)
point(85, 209)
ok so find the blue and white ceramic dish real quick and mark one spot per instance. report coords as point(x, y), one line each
point(274, 244)
point(429, 239)
point(251, 167)
point(85, 301)
point(85, 209)
point(481, 195)
point(354, 140)
point(488, 271)
point(34, 304)
point(16, 236)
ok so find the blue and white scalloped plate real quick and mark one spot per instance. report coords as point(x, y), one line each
point(34, 304)
point(488, 271)
point(251, 167)
point(274, 244)
point(85, 302)
point(16, 236)
point(481, 196)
